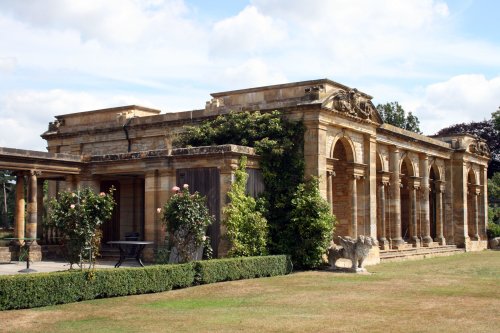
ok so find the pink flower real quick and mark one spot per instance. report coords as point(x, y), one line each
point(158, 210)
point(185, 186)
point(175, 189)
point(72, 206)
point(102, 194)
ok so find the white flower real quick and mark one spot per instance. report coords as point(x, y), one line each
point(185, 186)
point(72, 206)
point(158, 210)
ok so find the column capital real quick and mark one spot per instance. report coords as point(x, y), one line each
point(35, 173)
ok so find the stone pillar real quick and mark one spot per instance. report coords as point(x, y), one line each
point(370, 194)
point(151, 216)
point(424, 170)
point(31, 208)
point(384, 243)
point(395, 202)
point(20, 206)
point(40, 210)
point(315, 152)
point(329, 189)
point(476, 194)
point(483, 203)
point(353, 189)
point(440, 189)
point(226, 177)
point(413, 218)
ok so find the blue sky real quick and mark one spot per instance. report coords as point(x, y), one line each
point(439, 59)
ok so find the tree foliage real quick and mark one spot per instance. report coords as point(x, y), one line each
point(186, 218)
point(311, 225)
point(245, 222)
point(7, 198)
point(77, 216)
point(394, 114)
point(280, 144)
point(495, 116)
point(486, 130)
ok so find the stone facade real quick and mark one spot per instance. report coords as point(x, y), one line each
point(404, 189)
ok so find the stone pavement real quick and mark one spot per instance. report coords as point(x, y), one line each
point(53, 266)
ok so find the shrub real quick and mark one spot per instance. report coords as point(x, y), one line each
point(311, 226)
point(77, 216)
point(186, 217)
point(246, 225)
point(42, 289)
point(27, 291)
point(241, 268)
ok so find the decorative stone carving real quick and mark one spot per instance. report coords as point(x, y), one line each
point(479, 148)
point(352, 102)
point(354, 250)
point(495, 243)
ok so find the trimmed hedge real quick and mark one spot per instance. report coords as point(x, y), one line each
point(35, 290)
point(241, 268)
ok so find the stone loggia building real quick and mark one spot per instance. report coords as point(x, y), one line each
point(407, 190)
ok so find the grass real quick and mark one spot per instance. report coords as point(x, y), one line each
point(448, 294)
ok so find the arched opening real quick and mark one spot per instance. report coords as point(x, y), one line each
point(407, 186)
point(342, 155)
point(433, 184)
point(472, 206)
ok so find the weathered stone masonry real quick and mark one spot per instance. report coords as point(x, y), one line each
point(404, 189)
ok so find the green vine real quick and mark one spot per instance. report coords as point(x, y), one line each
point(279, 142)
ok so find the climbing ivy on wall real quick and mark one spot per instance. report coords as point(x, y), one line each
point(280, 144)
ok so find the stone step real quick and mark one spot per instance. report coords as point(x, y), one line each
point(419, 253)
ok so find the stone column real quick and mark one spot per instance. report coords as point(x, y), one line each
point(370, 194)
point(476, 193)
point(151, 216)
point(354, 205)
point(413, 218)
point(395, 202)
point(20, 206)
point(329, 188)
point(483, 203)
point(440, 187)
point(424, 170)
point(384, 243)
point(31, 222)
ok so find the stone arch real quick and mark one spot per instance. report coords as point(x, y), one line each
point(407, 173)
point(345, 143)
point(343, 156)
point(434, 186)
point(472, 204)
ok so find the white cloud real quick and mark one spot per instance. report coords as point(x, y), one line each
point(247, 32)
point(254, 72)
point(7, 65)
point(26, 114)
point(460, 99)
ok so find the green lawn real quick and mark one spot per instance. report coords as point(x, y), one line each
point(450, 294)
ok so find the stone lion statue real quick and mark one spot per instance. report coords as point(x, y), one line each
point(354, 250)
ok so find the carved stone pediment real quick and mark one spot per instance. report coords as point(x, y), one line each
point(479, 148)
point(351, 102)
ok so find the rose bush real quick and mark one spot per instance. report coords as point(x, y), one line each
point(77, 216)
point(186, 218)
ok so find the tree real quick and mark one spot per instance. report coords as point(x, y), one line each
point(394, 114)
point(311, 226)
point(496, 119)
point(246, 224)
point(488, 131)
point(7, 196)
